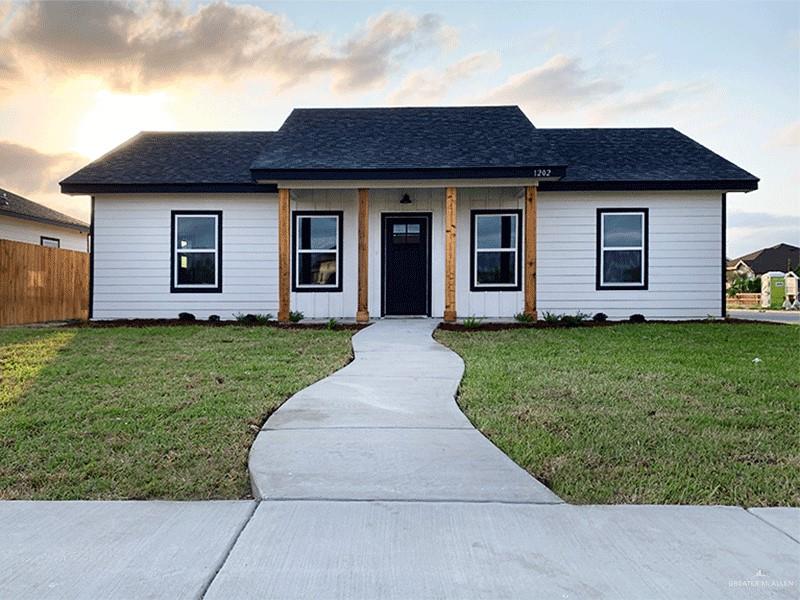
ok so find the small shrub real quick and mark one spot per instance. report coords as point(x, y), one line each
point(251, 319)
point(524, 318)
point(185, 316)
point(636, 318)
point(600, 317)
point(573, 320)
point(296, 316)
point(331, 324)
point(213, 318)
point(471, 322)
point(549, 317)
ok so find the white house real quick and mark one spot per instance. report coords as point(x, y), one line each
point(446, 212)
point(22, 220)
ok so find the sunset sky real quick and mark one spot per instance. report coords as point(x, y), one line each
point(76, 79)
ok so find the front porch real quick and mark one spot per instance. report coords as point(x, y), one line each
point(409, 250)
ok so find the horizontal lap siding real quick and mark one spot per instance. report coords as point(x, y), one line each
point(132, 256)
point(684, 257)
point(30, 232)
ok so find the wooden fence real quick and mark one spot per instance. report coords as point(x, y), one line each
point(745, 300)
point(42, 284)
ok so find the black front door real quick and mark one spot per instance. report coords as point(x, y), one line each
point(406, 264)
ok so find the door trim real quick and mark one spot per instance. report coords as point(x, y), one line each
point(428, 216)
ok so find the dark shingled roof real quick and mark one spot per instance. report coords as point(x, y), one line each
point(641, 155)
point(781, 257)
point(400, 139)
point(173, 160)
point(13, 205)
point(410, 143)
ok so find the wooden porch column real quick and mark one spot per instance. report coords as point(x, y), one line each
point(284, 276)
point(530, 251)
point(450, 255)
point(362, 314)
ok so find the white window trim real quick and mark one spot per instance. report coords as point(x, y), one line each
point(298, 251)
point(177, 251)
point(604, 249)
point(477, 250)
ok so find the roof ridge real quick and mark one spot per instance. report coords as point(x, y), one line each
point(407, 107)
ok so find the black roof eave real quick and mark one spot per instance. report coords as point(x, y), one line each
point(54, 222)
point(728, 185)
point(532, 172)
point(167, 188)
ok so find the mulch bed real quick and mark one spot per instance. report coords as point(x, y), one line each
point(496, 326)
point(180, 323)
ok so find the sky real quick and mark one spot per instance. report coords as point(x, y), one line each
point(78, 78)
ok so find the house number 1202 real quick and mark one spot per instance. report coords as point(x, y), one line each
point(541, 172)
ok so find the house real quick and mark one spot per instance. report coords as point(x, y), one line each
point(446, 212)
point(22, 220)
point(780, 257)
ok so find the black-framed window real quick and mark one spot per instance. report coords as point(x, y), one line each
point(49, 242)
point(317, 255)
point(622, 261)
point(196, 251)
point(496, 250)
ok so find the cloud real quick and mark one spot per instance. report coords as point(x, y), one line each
point(659, 97)
point(24, 170)
point(752, 231)
point(369, 54)
point(558, 84)
point(788, 137)
point(136, 46)
point(428, 85)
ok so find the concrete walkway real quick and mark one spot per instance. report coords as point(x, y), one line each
point(372, 484)
point(770, 316)
point(386, 427)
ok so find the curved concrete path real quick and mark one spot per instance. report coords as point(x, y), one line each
point(386, 427)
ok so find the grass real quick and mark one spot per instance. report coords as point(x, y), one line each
point(656, 413)
point(158, 412)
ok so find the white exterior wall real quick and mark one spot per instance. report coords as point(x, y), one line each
point(25, 230)
point(132, 256)
point(484, 304)
point(685, 255)
point(323, 305)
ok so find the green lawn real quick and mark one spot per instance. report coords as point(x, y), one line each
point(655, 413)
point(158, 412)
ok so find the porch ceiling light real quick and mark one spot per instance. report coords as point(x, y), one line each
point(405, 199)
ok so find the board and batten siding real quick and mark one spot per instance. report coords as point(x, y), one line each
point(133, 247)
point(323, 305)
point(31, 232)
point(484, 303)
point(685, 255)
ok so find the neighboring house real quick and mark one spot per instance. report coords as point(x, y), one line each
point(780, 257)
point(447, 212)
point(23, 220)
